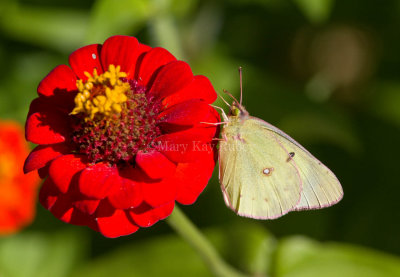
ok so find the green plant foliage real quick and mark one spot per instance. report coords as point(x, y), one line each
point(302, 257)
point(46, 27)
point(251, 249)
point(170, 256)
point(109, 17)
point(316, 11)
point(40, 254)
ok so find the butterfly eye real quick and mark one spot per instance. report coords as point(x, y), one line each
point(235, 111)
point(268, 171)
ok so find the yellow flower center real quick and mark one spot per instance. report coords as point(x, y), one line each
point(101, 95)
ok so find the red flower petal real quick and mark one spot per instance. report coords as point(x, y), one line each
point(184, 146)
point(78, 217)
point(172, 77)
point(39, 104)
point(87, 206)
point(143, 48)
point(159, 193)
point(205, 128)
point(151, 62)
point(199, 88)
point(97, 180)
point(59, 81)
point(146, 216)
point(105, 209)
point(63, 171)
point(86, 59)
point(46, 127)
point(127, 193)
point(62, 210)
point(209, 129)
point(193, 178)
point(48, 194)
point(115, 222)
point(65, 206)
point(155, 164)
point(44, 171)
point(122, 51)
point(60, 205)
point(42, 154)
point(186, 113)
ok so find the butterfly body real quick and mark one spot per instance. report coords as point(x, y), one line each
point(264, 173)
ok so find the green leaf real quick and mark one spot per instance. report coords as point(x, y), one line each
point(246, 245)
point(302, 257)
point(182, 8)
point(317, 11)
point(111, 17)
point(221, 70)
point(164, 29)
point(164, 256)
point(60, 29)
point(18, 86)
point(39, 254)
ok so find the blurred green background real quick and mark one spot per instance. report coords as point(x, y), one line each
point(324, 71)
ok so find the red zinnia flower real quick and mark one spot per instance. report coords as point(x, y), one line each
point(17, 191)
point(120, 136)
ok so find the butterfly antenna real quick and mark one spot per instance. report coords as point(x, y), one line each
point(222, 98)
point(234, 99)
point(241, 84)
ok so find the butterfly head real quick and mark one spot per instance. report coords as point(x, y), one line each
point(237, 110)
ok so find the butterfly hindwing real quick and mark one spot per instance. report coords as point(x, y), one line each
point(321, 188)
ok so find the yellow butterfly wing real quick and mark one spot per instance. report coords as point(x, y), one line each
point(320, 187)
point(257, 179)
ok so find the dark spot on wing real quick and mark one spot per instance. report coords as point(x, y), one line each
point(291, 155)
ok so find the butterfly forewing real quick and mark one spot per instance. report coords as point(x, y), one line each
point(257, 178)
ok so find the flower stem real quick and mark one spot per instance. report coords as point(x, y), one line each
point(183, 226)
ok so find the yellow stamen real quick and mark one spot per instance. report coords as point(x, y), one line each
point(101, 94)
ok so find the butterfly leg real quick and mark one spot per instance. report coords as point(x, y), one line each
point(224, 138)
point(224, 116)
point(214, 123)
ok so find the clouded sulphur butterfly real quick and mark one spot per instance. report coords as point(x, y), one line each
point(264, 173)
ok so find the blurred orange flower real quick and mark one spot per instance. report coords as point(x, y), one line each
point(17, 190)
